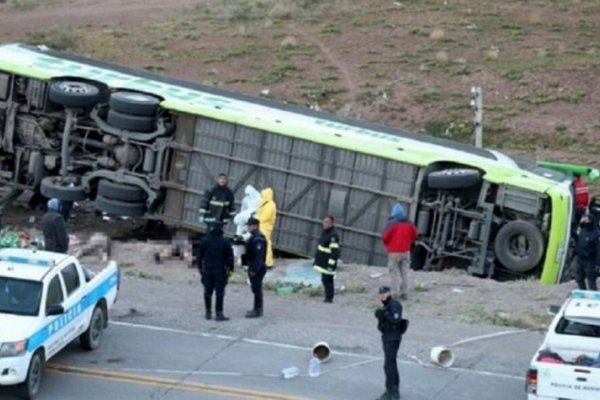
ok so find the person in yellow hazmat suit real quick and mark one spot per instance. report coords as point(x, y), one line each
point(266, 213)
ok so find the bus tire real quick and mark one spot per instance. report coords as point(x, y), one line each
point(92, 337)
point(519, 246)
point(134, 103)
point(133, 123)
point(62, 188)
point(120, 191)
point(120, 208)
point(31, 387)
point(453, 178)
point(74, 94)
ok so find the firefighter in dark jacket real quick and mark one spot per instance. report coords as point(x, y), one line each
point(326, 257)
point(256, 253)
point(215, 262)
point(54, 228)
point(389, 323)
point(218, 204)
point(587, 249)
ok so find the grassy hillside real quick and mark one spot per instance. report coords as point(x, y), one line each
point(406, 64)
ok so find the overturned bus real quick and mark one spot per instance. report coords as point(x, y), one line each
point(141, 144)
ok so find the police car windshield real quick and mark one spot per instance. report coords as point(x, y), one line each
point(19, 296)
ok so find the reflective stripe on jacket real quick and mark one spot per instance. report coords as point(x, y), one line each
point(328, 252)
point(217, 205)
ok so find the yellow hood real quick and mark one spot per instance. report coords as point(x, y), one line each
point(266, 195)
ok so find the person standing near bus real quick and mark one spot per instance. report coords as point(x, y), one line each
point(266, 213)
point(326, 257)
point(215, 263)
point(218, 204)
point(587, 249)
point(56, 238)
point(398, 238)
point(582, 196)
point(256, 249)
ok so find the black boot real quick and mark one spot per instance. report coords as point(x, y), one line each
point(208, 307)
point(253, 313)
point(219, 309)
point(221, 317)
point(257, 310)
point(385, 396)
point(394, 393)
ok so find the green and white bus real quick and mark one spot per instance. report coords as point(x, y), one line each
point(141, 144)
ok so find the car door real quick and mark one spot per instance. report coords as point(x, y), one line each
point(75, 307)
point(55, 296)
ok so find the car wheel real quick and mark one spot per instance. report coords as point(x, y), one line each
point(31, 387)
point(119, 208)
point(63, 188)
point(92, 337)
point(134, 103)
point(453, 178)
point(519, 246)
point(74, 94)
point(120, 191)
point(131, 123)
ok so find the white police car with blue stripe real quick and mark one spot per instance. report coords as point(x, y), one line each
point(46, 301)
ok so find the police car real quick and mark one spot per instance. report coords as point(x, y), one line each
point(567, 364)
point(46, 301)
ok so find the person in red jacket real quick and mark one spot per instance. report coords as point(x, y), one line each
point(398, 237)
point(582, 196)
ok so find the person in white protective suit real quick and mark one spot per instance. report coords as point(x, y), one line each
point(250, 203)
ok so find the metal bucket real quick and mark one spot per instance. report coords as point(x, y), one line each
point(322, 351)
point(442, 356)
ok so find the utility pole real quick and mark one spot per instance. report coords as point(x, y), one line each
point(477, 105)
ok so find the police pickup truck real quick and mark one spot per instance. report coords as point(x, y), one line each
point(47, 300)
point(567, 366)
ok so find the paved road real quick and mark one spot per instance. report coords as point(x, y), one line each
point(136, 362)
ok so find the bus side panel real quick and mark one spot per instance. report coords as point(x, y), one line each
point(309, 181)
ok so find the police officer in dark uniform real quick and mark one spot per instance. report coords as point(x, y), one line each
point(218, 203)
point(391, 326)
point(54, 228)
point(587, 249)
point(256, 253)
point(215, 262)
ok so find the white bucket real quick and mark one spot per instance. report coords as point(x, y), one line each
point(322, 351)
point(442, 356)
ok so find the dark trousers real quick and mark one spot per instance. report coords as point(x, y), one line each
point(586, 270)
point(214, 281)
point(256, 280)
point(390, 367)
point(328, 286)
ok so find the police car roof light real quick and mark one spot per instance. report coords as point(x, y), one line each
point(585, 294)
point(27, 261)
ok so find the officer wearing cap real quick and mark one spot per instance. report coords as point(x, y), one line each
point(256, 252)
point(215, 262)
point(392, 326)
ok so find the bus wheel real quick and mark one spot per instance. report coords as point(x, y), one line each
point(74, 94)
point(119, 208)
point(134, 103)
point(120, 191)
point(453, 178)
point(134, 123)
point(519, 246)
point(63, 188)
